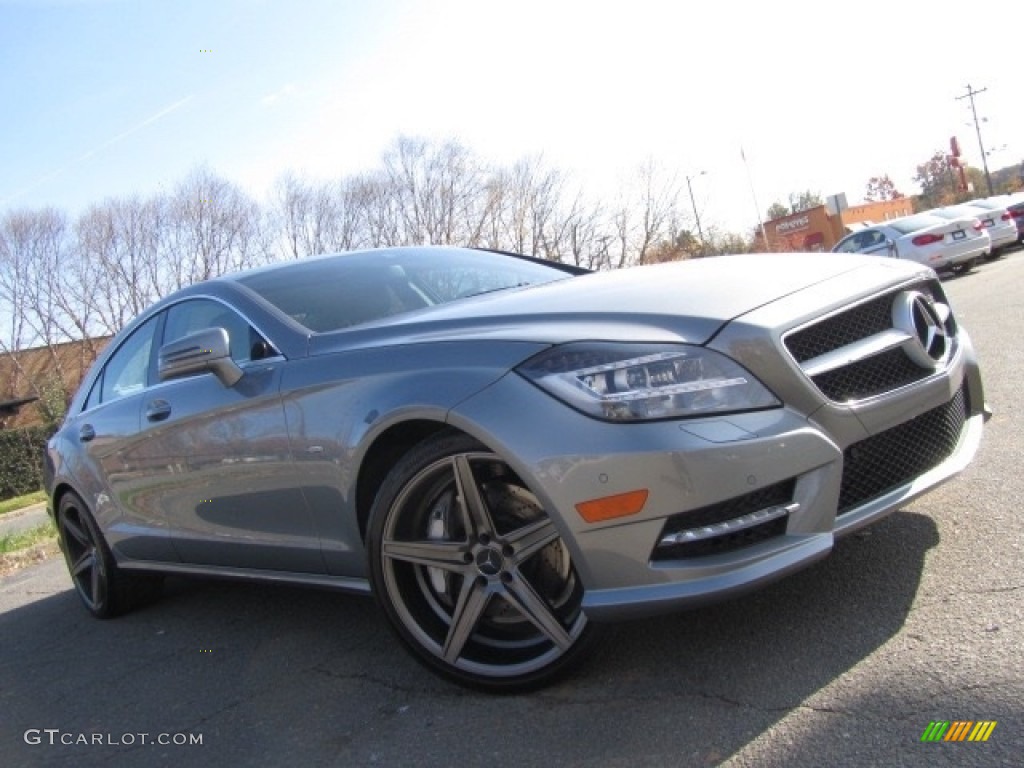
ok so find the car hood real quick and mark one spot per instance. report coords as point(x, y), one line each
point(675, 302)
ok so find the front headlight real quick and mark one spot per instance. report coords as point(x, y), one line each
point(640, 382)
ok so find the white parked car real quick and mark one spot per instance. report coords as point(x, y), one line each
point(940, 243)
point(1012, 204)
point(994, 217)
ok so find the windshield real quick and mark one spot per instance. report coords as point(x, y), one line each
point(334, 292)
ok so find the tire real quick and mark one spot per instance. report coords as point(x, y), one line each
point(471, 572)
point(967, 266)
point(105, 590)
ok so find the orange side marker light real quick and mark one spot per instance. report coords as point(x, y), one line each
point(611, 507)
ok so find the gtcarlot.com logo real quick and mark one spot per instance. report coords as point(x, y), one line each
point(55, 736)
point(958, 730)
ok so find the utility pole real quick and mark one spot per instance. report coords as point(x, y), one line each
point(977, 127)
point(696, 216)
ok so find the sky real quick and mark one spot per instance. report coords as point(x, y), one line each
point(108, 98)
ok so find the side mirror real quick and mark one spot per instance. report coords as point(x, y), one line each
point(205, 350)
point(891, 250)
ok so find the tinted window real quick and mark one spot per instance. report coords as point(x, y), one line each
point(127, 371)
point(200, 314)
point(849, 245)
point(334, 292)
point(871, 238)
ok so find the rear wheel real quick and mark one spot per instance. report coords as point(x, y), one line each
point(104, 589)
point(471, 572)
point(965, 267)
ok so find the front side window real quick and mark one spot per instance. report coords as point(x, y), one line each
point(199, 314)
point(849, 245)
point(127, 372)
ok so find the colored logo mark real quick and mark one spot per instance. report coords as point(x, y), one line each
point(958, 730)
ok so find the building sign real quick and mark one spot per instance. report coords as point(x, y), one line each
point(792, 225)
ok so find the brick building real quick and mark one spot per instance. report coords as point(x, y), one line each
point(817, 229)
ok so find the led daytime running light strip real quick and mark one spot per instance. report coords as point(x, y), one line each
point(729, 526)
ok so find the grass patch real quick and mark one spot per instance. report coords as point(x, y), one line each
point(15, 542)
point(20, 550)
point(19, 502)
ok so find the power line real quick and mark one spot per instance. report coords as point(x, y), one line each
point(977, 127)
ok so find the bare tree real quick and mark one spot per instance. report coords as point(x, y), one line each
point(120, 272)
point(520, 207)
point(211, 227)
point(643, 214)
point(432, 190)
point(578, 235)
point(317, 217)
point(34, 252)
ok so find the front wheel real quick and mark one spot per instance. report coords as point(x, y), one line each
point(471, 572)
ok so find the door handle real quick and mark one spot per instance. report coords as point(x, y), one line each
point(158, 410)
point(86, 433)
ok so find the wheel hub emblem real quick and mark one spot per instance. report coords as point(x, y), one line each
point(489, 562)
point(924, 322)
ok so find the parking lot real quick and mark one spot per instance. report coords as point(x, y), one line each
point(916, 619)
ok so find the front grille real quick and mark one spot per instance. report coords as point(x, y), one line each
point(730, 509)
point(862, 377)
point(839, 330)
point(872, 376)
point(883, 462)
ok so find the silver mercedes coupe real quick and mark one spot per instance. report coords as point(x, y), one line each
point(508, 452)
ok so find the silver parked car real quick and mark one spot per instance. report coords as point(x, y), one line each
point(953, 242)
point(506, 452)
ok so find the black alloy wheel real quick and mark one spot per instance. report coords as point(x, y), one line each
point(471, 571)
point(105, 590)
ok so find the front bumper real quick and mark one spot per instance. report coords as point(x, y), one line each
point(690, 466)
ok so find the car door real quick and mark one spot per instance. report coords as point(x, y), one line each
point(111, 466)
point(219, 458)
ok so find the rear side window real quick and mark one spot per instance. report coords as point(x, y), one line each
point(127, 372)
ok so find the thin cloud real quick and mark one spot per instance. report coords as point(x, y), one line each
point(95, 150)
point(272, 98)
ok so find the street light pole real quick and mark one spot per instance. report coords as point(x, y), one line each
point(696, 216)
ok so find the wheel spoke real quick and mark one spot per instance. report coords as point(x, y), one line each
point(473, 599)
point(86, 562)
point(80, 536)
point(95, 582)
point(478, 519)
point(532, 538)
point(522, 595)
point(447, 555)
